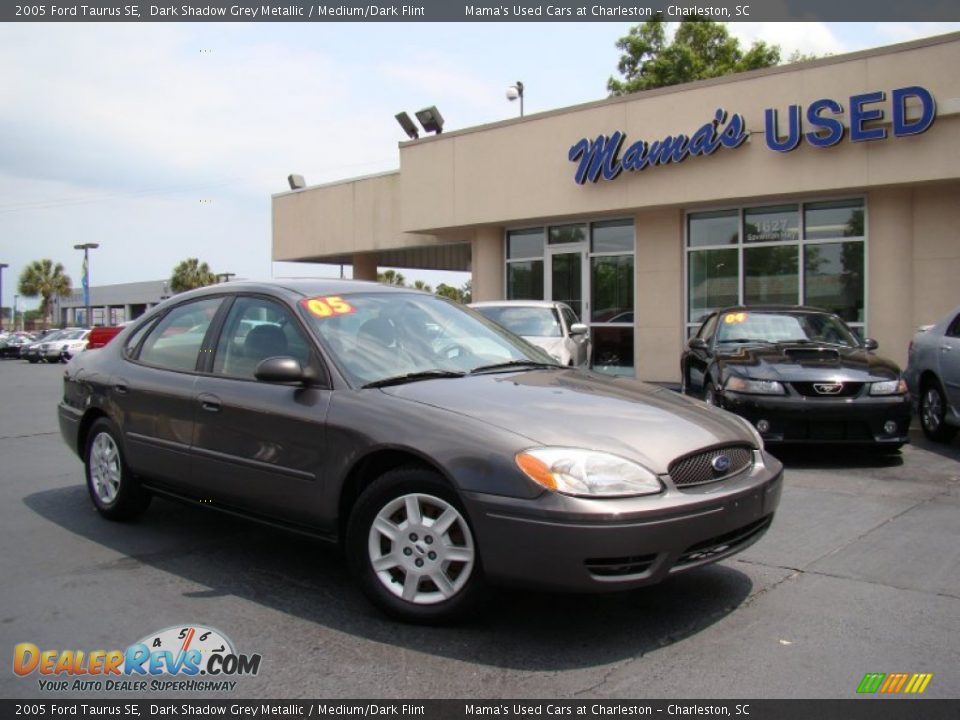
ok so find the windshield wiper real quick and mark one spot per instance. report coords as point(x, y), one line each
point(413, 377)
point(514, 363)
point(738, 341)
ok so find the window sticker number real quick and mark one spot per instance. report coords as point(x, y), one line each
point(734, 318)
point(324, 307)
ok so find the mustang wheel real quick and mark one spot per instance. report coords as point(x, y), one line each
point(115, 492)
point(412, 549)
point(933, 409)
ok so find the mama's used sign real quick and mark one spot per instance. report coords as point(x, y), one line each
point(606, 157)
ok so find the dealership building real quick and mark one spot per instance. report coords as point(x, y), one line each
point(833, 183)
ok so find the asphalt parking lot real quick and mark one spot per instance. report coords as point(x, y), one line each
point(860, 573)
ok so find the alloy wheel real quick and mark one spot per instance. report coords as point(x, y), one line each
point(932, 410)
point(105, 469)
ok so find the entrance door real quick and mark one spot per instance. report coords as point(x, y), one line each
point(565, 278)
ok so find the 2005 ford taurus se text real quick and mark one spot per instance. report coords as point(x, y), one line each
point(441, 450)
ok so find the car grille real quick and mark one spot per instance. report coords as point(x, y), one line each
point(725, 544)
point(619, 567)
point(828, 389)
point(698, 469)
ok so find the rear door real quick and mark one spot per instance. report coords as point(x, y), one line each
point(154, 394)
point(260, 445)
point(949, 355)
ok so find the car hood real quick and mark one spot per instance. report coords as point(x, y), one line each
point(553, 345)
point(577, 408)
point(796, 362)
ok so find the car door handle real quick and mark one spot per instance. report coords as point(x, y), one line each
point(945, 348)
point(210, 403)
point(121, 388)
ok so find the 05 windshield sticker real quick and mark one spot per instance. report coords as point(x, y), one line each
point(325, 307)
point(734, 318)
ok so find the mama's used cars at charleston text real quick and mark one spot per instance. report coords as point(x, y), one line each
point(440, 449)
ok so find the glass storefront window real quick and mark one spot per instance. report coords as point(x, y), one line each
point(834, 219)
point(611, 284)
point(525, 243)
point(714, 276)
point(834, 278)
point(771, 224)
point(612, 350)
point(560, 234)
point(612, 236)
point(713, 228)
point(771, 275)
point(566, 272)
point(525, 280)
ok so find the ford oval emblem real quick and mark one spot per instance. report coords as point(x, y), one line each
point(720, 464)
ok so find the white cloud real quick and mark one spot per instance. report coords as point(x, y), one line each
point(809, 38)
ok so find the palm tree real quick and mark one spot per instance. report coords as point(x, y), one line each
point(391, 277)
point(45, 279)
point(190, 274)
point(421, 285)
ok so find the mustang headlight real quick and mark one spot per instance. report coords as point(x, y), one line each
point(889, 387)
point(754, 387)
point(586, 473)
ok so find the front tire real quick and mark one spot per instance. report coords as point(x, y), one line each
point(115, 491)
point(710, 394)
point(411, 547)
point(933, 411)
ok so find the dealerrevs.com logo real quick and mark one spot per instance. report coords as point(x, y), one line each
point(177, 658)
point(894, 683)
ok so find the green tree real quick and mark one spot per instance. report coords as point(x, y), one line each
point(461, 294)
point(700, 49)
point(46, 280)
point(391, 277)
point(190, 274)
point(422, 285)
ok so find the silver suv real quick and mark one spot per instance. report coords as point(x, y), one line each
point(933, 375)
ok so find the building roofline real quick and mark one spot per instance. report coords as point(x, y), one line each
point(723, 80)
point(334, 183)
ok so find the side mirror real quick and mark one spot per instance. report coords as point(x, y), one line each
point(281, 370)
point(696, 343)
point(871, 344)
point(579, 329)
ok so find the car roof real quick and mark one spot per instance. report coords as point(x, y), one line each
point(517, 303)
point(774, 308)
point(304, 287)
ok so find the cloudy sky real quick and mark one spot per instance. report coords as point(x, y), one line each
point(164, 141)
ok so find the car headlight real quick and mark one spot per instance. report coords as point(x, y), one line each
point(754, 387)
point(889, 387)
point(586, 473)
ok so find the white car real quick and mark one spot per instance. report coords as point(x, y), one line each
point(65, 346)
point(933, 376)
point(551, 326)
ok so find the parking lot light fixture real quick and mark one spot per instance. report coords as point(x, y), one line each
point(3, 266)
point(86, 247)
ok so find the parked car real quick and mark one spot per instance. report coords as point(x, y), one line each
point(10, 346)
point(798, 374)
point(442, 451)
point(100, 336)
point(933, 376)
point(552, 326)
point(64, 346)
point(33, 352)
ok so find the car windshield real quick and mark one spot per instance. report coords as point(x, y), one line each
point(745, 326)
point(525, 321)
point(55, 335)
point(72, 334)
point(374, 337)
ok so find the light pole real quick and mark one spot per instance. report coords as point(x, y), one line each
point(15, 298)
point(86, 247)
point(516, 91)
point(224, 277)
point(3, 266)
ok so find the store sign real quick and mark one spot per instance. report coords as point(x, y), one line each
point(602, 157)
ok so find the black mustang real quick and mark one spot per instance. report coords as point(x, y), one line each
point(799, 374)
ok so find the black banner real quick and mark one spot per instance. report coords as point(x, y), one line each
point(481, 11)
point(854, 709)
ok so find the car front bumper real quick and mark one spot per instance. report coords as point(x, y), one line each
point(599, 545)
point(797, 419)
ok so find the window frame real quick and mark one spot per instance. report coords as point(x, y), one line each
point(212, 332)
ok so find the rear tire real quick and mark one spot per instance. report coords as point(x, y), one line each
point(933, 410)
point(115, 491)
point(411, 548)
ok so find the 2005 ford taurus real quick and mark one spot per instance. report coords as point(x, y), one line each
point(442, 451)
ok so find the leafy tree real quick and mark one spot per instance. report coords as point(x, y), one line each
point(190, 274)
point(700, 49)
point(46, 280)
point(391, 277)
point(461, 294)
point(422, 285)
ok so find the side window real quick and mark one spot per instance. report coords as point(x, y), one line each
point(174, 342)
point(569, 317)
point(706, 330)
point(257, 329)
point(130, 349)
point(953, 330)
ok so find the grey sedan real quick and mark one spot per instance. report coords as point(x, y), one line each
point(440, 450)
point(933, 376)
